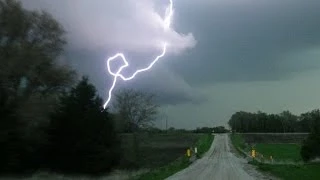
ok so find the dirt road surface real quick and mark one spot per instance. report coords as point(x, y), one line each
point(219, 163)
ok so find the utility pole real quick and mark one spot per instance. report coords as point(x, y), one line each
point(165, 118)
point(166, 123)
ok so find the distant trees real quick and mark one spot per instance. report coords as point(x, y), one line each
point(217, 129)
point(220, 129)
point(203, 130)
point(311, 146)
point(262, 122)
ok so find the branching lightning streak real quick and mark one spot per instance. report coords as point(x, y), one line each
point(166, 25)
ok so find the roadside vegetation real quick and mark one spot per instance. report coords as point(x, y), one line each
point(156, 149)
point(311, 146)
point(203, 145)
point(291, 166)
point(239, 144)
point(286, 122)
point(292, 154)
point(292, 172)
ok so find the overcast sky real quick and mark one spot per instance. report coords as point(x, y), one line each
point(224, 55)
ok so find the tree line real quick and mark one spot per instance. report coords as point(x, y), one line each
point(283, 122)
point(49, 117)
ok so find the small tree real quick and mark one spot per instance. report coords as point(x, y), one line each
point(311, 146)
point(81, 134)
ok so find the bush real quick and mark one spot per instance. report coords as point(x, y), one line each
point(310, 149)
point(311, 146)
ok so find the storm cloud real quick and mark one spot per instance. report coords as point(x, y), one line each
point(224, 55)
point(98, 29)
point(122, 25)
point(249, 40)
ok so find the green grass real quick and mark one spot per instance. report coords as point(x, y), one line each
point(293, 172)
point(286, 152)
point(182, 162)
point(239, 143)
point(279, 152)
point(204, 144)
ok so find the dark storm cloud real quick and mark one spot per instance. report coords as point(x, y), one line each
point(243, 40)
point(247, 40)
point(98, 29)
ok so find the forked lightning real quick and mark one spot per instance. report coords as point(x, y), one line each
point(166, 25)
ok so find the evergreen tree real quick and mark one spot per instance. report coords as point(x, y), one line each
point(81, 134)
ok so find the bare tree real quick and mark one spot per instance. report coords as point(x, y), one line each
point(138, 109)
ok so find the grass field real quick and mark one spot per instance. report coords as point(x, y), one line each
point(293, 172)
point(287, 153)
point(203, 145)
point(155, 150)
point(280, 152)
point(274, 137)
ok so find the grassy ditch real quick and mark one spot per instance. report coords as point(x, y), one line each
point(238, 143)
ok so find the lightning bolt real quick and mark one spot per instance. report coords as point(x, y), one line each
point(166, 26)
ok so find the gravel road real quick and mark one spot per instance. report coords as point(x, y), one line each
point(219, 163)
